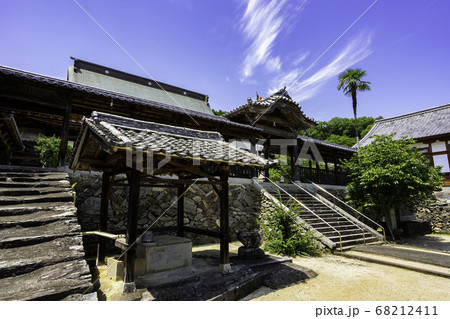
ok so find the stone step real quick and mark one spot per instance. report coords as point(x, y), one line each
point(39, 217)
point(37, 184)
point(33, 179)
point(12, 174)
point(308, 215)
point(22, 236)
point(52, 282)
point(328, 220)
point(354, 242)
point(327, 229)
point(346, 232)
point(374, 243)
point(22, 209)
point(25, 259)
point(32, 191)
point(319, 223)
point(56, 197)
point(351, 236)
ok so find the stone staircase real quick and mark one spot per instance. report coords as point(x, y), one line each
point(331, 224)
point(41, 248)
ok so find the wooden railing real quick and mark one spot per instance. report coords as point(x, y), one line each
point(321, 176)
point(235, 171)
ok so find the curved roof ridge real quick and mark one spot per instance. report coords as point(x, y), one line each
point(429, 122)
point(402, 116)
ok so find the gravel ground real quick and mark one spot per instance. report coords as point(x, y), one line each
point(343, 279)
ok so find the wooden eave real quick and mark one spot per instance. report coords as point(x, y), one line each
point(24, 95)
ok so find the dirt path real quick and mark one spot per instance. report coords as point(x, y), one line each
point(342, 279)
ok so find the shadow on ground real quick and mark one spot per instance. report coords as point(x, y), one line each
point(435, 242)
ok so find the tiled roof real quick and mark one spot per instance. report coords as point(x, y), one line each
point(326, 144)
point(280, 96)
point(118, 96)
point(426, 123)
point(120, 133)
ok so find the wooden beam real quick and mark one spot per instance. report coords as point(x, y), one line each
point(201, 231)
point(64, 135)
point(276, 132)
point(224, 236)
point(189, 168)
point(103, 218)
point(180, 210)
point(266, 156)
point(133, 207)
point(296, 168)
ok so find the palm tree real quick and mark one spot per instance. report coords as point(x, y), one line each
point(350, 82)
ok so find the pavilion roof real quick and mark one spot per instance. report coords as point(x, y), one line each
point(275, 113)
point(115, 134)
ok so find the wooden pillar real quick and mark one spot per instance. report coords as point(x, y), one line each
point(103, 218)
point(180, 211)
point(317, 173)
point(336, 182)
point(310, 177)
point(266, 156)
point(133, 206)
point(224, 236)
point(295, 167)
point(253, 150)
point(64, 135)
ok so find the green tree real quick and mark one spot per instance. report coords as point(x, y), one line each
point(340, 130)
point(218, 113)
point(350, 82)
point(390, 173)
point(47, 148)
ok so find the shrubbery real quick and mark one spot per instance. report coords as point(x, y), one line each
point(48, 150)
point(283, 236)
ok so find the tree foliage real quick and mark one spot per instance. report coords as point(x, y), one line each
point(350, 81)
point(47, 148)
point(218, 113)
point(282, 235)
point(340, 130)
point(390, 173)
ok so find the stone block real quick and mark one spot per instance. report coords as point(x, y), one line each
point(165, 253)
point(114, 269)
point(140, 266)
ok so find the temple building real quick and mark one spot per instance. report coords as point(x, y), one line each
point(430, 128)
point(45, 106)
point(141, 146)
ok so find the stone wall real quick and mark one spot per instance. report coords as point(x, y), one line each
point(201, 206)
point(158, 208)
point(438, 213)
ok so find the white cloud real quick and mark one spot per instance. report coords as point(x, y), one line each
point(356, 50)
point(273, 64)
point(301, 57)
point(261, 24)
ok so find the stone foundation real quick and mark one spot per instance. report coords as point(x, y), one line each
point(438, 213)
point(201, 205)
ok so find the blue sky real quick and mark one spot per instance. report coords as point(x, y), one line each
point(232, 49)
